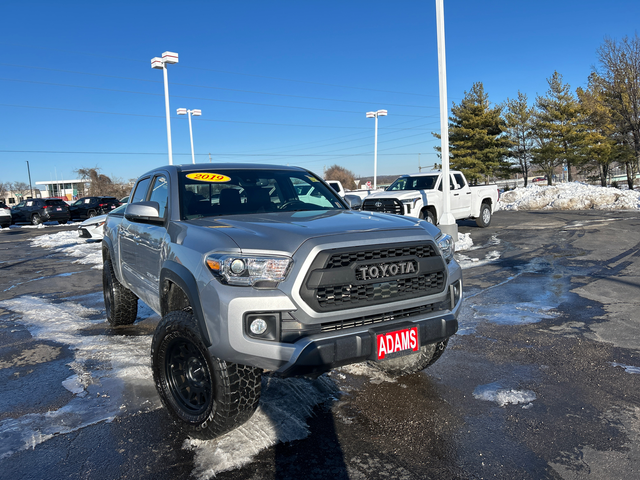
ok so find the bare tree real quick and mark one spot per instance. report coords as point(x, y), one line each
point(619, 77)
point(100, 184)
point(341, 174)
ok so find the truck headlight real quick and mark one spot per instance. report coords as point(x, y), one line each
point(447, 247)
point(249, 270)
point(410, 203)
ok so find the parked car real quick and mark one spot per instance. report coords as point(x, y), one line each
point(88, 207)
point(92, 228)
point(5, 215)
point(40, 210)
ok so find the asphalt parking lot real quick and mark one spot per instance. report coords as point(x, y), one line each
point(540, 382)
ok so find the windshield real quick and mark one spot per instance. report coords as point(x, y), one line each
point(237, 192)
point(423, 182)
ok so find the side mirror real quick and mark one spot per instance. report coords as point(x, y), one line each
point(354, 201)
point(143, 212)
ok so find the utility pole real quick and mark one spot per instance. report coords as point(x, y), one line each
point(209, 157)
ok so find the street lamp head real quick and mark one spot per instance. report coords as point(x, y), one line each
point(170, 57)
point(196, 113)
point(156, 62)
point(182, 111)
point(371, 114)
point(382, 113)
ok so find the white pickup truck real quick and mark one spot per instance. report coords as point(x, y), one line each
point(421, 195)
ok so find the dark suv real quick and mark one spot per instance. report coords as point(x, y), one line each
point(40, 210)
point(88, 207)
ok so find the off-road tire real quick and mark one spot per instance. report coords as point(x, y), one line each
point(35, 219)
point(206, 395)
point(426, 356)
point(428, 216)
point(484, 219)
point(120, 303)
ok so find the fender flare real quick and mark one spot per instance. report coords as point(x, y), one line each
point(183, 278)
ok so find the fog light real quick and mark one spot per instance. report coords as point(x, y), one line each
point(456, 293)
point(258, 326)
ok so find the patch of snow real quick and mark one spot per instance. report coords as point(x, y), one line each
point(569, 196)
point(464, 242)
point(364, 369)
point(493, 392)
point(627, 368)
point(103, 366)
point(282, 416)
point(71, 244)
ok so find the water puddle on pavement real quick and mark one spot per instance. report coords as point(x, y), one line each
point(109, 376)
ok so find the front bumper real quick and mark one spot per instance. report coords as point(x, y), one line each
point(314, 353)
point(321, 355)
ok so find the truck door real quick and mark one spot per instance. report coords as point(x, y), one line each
point(461, 196)
point(129, 238)
point(149, 253)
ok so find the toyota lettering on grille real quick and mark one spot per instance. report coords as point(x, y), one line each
point(386, 270)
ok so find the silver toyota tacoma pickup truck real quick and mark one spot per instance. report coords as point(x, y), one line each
point(260, 267)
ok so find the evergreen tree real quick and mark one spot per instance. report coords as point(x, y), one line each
point(557, 126)
point(519, 117)
point(477, 145)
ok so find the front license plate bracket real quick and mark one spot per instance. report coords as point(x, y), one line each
point(396, 343)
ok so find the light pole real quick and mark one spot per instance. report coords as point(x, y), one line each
point(161, 64)
point(446, 222)
point(195, 113)
point(29, 172)
point(379, 113)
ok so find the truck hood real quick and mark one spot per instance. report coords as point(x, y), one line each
point(285, 232)
point(399, 194)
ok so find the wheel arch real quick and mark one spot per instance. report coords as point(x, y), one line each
point(178, 285)
point(432, 209)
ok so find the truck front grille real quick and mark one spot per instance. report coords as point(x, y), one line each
point(355, 277)
point(385, 317)
point(383, 205)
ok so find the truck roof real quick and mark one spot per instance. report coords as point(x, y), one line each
point(236, 166)
point(424, 174)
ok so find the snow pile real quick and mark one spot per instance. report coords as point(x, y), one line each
point(493, 392)
point(569, 196)
point(69, 243)
point(464, 242)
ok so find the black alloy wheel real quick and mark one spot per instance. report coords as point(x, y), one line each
point(188, 376)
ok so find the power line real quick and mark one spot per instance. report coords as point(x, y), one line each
point(199, 120)
point(222, 71)
point(198, 98)
point(198, 154)
point(218, 88)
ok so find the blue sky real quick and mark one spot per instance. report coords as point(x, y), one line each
point(278, 82)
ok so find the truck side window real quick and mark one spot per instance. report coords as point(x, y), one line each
point(459, 178)
point(160, 194)
point(140, 195)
